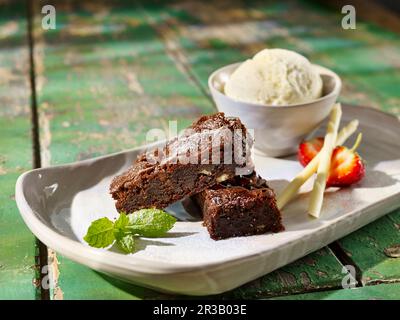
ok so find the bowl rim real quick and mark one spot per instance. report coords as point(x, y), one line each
point(321, 70)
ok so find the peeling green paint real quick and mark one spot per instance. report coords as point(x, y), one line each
point(18, 272)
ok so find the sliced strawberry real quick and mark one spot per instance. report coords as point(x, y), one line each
point(309, 149)
point(347, 168)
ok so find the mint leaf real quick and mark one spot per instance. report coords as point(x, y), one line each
point(126, 243)
point(100, 233)
point(120, 224)
point(124, 238)
point(150, 222)
point(146, 222)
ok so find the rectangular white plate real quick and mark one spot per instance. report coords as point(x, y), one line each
point(59, 203)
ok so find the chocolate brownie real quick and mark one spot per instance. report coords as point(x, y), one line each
point(241, 206)
point(210, 151)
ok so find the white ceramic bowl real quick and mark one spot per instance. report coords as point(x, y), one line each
point(277, 129)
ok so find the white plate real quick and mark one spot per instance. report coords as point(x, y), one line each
point(59, 203)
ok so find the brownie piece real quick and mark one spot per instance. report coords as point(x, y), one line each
point(210, 151)
point(241, 206)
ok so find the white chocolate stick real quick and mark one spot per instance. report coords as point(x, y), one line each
point(293, 187)
point(317, 193)
point(346, 132)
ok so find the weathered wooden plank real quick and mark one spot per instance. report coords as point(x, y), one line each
point(369, 249)
point(378, 12)
point(378, 292)
point(79, 282)
point(317, 271)
point(18, 273)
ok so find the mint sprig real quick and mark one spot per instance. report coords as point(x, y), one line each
point(124, 231)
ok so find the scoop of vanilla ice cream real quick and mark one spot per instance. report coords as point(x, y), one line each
point(275, 77)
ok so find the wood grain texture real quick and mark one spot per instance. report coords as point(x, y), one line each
point(376, 11)
point(317, 271)
point(369, 249)
point(18, 270)
point(378, 292)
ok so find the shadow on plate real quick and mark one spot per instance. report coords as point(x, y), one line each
point(142, 243)
point(377, 179)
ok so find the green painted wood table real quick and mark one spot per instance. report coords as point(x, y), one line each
point(111, 70)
